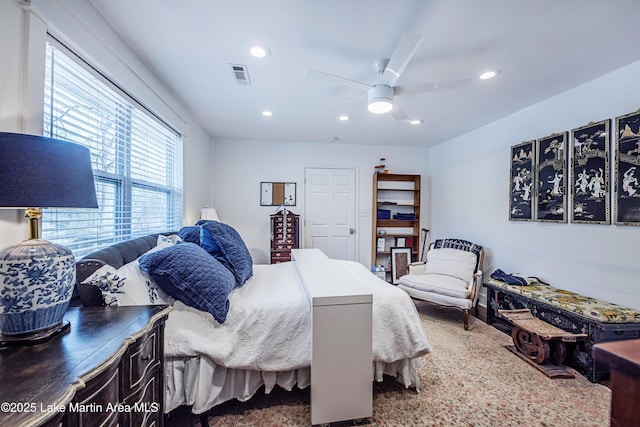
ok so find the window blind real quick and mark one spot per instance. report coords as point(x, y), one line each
point(137, 159)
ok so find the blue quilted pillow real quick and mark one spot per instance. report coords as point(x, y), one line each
point(190, 234)
point(188, 273)
point(225, 244)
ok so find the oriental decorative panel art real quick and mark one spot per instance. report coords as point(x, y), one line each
point(590, 173)
point(521, 193)
point(627, 161)
point(551, 202)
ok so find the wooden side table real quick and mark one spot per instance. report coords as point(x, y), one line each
point(623, 358)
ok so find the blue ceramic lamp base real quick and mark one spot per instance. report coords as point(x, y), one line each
point(36, 283)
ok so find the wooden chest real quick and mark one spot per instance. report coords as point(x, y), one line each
point(285, 235)
point(580, 356)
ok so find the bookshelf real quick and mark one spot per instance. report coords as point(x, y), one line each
point(396, 217)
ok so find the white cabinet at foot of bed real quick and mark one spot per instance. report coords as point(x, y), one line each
point(341, 368)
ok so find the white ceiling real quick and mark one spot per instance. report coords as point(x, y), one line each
point(541, 47)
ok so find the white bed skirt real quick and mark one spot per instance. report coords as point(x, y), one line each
point(185, 381)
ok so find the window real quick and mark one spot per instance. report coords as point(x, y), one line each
point(137, 158)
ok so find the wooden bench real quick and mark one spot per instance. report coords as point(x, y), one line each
point(537, 339)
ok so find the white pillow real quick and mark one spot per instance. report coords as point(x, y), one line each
point(451, 262)
point(165, 241)
point(110, 288)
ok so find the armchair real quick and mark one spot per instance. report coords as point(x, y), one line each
point(450, 276)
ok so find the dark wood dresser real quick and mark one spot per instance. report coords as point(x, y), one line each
point(623, 357)
point(107, 370)
point(285, 235)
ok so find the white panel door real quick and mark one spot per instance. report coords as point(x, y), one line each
point(330, 212)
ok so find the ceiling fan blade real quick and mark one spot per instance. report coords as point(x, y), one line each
point(398, 113)
point(342, 80)
point(347, 101)
point(429, 87)
point(401, 57)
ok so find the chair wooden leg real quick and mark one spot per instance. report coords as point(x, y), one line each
point(466, 319)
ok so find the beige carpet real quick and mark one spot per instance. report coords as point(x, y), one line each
point(470, 379)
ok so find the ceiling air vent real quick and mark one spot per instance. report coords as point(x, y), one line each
point(241, 74)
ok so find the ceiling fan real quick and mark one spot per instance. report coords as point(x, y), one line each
point(380, 96)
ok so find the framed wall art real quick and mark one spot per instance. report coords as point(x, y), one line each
point(277, 193)
point(400, 260)
point(627, 162)
point(521, 182)
point(551, 178)
point(590, 173)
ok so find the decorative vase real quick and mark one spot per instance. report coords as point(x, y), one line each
point(37, 279)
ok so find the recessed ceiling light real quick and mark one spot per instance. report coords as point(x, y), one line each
point(267, 113)
point(415, 122)
point(344, 118)
point(259, 51)
point(488, 75)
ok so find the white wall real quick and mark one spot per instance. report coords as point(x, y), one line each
point(240, 166)
point(76, 23)
point(470, 188)
point(11, 90)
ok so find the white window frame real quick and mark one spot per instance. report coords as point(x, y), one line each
point(127, 141)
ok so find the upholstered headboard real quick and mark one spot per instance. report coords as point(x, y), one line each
point(116, 255)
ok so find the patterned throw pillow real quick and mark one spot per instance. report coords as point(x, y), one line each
point(127, 285)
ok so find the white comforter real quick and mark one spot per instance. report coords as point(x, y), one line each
point(268, 327)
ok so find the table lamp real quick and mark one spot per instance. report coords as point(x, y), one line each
point(37, 277)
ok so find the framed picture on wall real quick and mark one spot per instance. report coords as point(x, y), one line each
point(400, 260)
point(626, 198)
point(277, 193)
point(590, 173)
point(521, 182)
point(551, 178)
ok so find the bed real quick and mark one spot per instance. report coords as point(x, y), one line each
point(263, 338)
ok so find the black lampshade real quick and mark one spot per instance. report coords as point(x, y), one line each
point(39, 172)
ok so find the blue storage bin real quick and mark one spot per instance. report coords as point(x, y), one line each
point(384, 214)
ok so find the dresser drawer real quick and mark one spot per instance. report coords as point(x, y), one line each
point(140, 361)
point(287, 247)
point(92, 404)
point(279, 221)
point(143, 407)
point(280, 256)
point(59, 420)
point(279, 234)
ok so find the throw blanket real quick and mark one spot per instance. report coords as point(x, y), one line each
point(268, 326)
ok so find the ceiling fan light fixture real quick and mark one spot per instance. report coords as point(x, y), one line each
point(380, 99)
point(259, 51)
